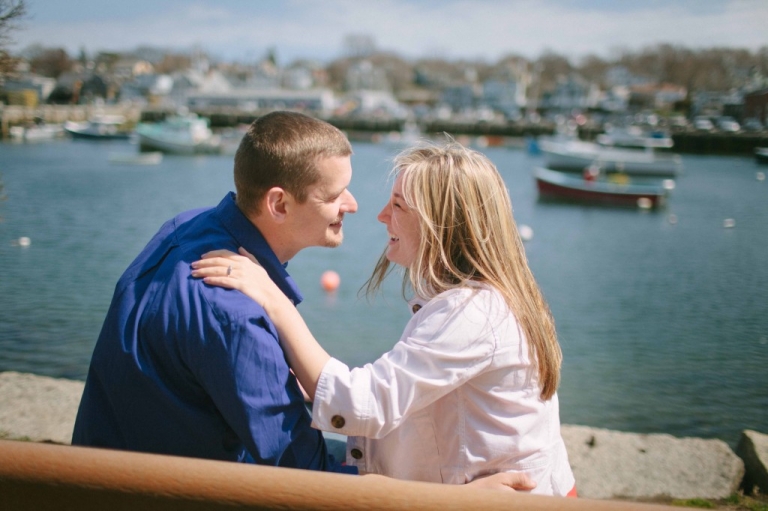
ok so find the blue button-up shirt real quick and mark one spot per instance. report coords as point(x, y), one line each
point(188, 369)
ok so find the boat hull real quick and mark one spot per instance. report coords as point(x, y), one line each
point(95, 130)
point(179, 135)
point(151, 144)
point(98, 136)
point(559, 186)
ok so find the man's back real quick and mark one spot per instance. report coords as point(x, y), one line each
point(186, 369)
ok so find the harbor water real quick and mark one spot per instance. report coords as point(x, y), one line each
point(662, 315)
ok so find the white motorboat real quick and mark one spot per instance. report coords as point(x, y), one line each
point(635, 137)
point(99, 127)
point(36, 132)
point(179, 134)
point(576, 155)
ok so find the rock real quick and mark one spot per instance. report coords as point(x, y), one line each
point(753, 449)
point(38, 408)
point(607, 464)
point(610, 464)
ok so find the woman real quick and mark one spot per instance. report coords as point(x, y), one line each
point(470, 387)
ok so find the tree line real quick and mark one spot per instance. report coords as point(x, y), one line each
point(711, 69)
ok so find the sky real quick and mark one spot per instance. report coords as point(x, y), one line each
point(245, 30)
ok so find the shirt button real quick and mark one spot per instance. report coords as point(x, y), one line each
point(415, 308)
point(356, 453)
point(337, 421)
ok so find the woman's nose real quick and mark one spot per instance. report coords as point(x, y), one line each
point(384, 215)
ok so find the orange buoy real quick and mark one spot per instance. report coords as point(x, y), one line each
point(330, 281)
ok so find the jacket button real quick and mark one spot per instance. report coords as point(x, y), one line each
point(337, 421)
point(356, 453)
point(415, 308)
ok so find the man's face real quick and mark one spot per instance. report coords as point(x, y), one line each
point(318, 221)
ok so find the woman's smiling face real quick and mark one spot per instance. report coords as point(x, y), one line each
point(402, 226)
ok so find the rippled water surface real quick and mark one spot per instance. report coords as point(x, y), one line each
point(664, 325)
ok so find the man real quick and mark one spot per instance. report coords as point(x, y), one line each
point(187, 369)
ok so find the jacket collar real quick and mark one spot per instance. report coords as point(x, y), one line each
point(250, 238)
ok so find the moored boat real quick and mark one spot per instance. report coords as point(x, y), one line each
point(618, 191)
point(36, 132)
point(635, 137)
point(104, 127)
point(576, 155)
point(179, 134)
point(761, 155)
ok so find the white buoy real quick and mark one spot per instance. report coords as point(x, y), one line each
point(24, 241)
point(644, 203)
point(729, 223)
point(526, 233)
point(672, 219)
point(760, 176)
point(669, 184)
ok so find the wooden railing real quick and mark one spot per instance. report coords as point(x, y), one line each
point(47, 477)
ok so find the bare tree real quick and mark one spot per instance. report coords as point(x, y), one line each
point(359, 45)
point(552, 67)
point(51, 62)
point(10, 13)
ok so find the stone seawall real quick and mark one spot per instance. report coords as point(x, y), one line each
point(607, 464)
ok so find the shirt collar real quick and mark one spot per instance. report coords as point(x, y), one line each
point(248, 236)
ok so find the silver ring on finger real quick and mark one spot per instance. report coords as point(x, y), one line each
point(229, 270)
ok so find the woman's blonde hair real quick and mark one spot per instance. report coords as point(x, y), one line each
point(468, 233)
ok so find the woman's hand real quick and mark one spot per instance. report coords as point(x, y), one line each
point(242, 272)
point(505, 481)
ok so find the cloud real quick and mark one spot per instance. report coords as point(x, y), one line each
point(485, 29)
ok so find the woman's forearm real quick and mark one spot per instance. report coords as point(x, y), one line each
point(305, 355)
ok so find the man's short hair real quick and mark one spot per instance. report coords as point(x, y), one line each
point(281, 149)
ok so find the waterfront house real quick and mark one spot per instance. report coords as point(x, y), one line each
point(363, 75)
point(318, 101)
point(572, 92)
point(756, 105)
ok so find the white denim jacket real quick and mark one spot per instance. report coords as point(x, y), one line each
point(456, 398)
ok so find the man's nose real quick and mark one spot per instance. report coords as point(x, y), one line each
point(350, 204)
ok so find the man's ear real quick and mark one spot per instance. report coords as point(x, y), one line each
point(276, 203)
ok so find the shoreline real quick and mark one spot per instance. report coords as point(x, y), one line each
point(607, 464)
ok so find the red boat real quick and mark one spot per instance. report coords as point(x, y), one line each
point(616, 190)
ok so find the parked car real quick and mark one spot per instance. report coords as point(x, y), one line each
point(703, 124)
point(728, 124)
point(752, 124)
